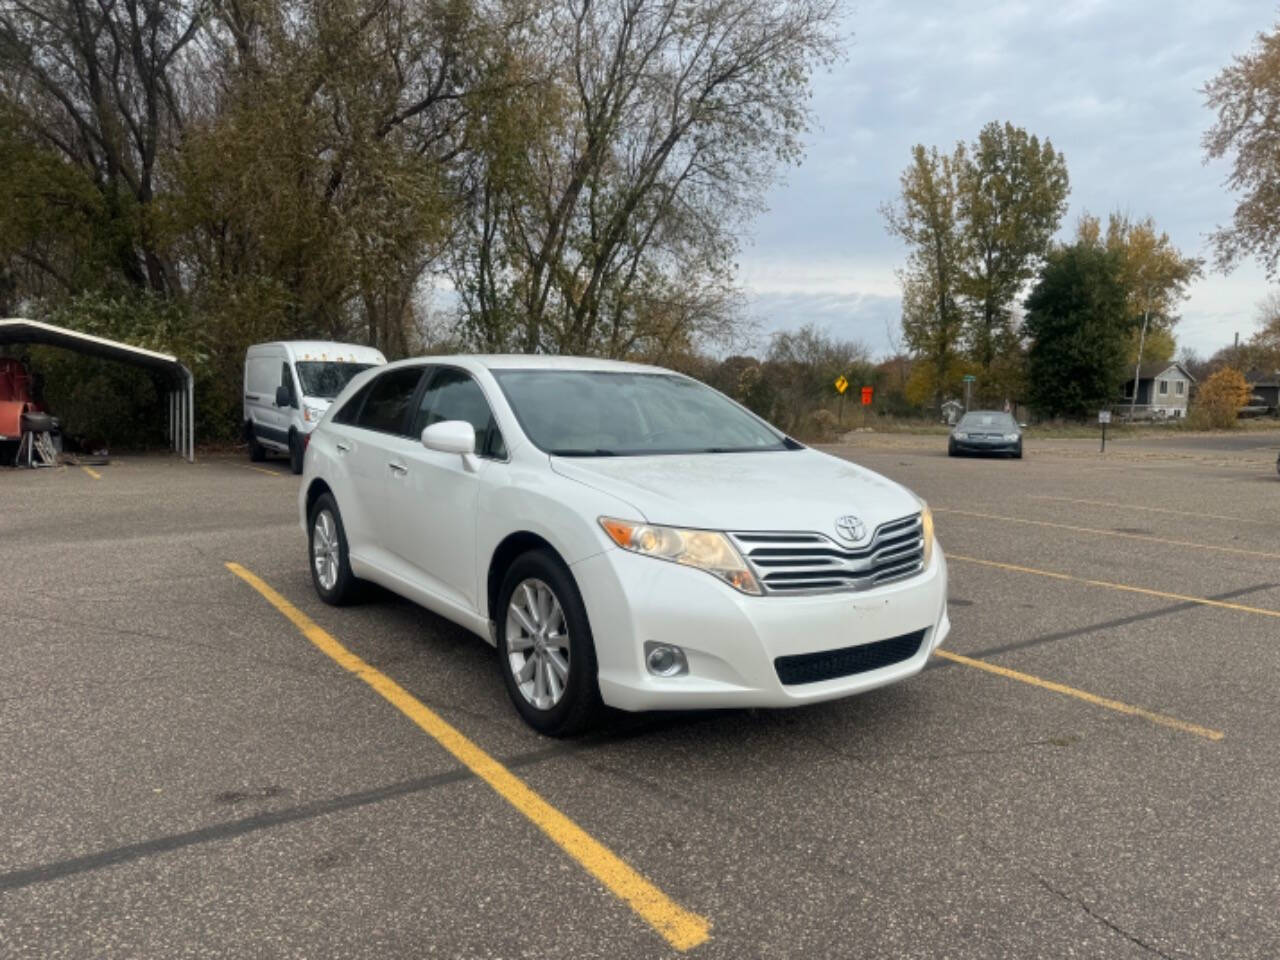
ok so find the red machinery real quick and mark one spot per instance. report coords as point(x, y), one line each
point(22, 423)
point(15, 397)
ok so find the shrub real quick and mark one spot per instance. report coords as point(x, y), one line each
point(1219, 400)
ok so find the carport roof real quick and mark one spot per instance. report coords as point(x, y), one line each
point(18, 330)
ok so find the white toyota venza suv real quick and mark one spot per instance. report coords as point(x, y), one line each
point(623, 534)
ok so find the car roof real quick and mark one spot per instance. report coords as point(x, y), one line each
point(537, 361)
point(988, 413)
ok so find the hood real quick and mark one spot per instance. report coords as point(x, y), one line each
point(790, 490)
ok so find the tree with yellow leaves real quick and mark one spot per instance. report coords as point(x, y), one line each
point(1220, 399)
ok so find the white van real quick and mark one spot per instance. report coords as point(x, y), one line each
point(289, 385)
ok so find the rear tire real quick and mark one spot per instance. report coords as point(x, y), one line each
point(330, 560)
point(545, 649)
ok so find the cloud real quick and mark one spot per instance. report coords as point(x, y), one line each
point(1114, 86)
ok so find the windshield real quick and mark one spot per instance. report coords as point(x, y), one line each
point(994, 421)
point(590, 413)
point(326, 378)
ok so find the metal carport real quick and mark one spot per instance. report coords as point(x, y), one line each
point(182, 391)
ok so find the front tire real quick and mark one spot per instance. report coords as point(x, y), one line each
point(545, 647)
point(257, 453)
point(1017, 454)
point(330, 560)
point(951, 449)
point(296, 452)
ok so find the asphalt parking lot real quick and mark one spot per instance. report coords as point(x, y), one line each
point(1092, 769)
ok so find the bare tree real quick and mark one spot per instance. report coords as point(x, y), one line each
point(658, 127)
point(95, 83)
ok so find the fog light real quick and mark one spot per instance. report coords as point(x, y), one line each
point(665, 659)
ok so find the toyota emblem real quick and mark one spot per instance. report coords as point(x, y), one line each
point(851, 528)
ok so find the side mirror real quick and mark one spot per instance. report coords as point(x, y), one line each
point(453, 436)
point(282, 396)
point(1022, 426)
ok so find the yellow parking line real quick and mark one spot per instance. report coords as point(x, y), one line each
point(269, 473)
point(1204, 601)
point(1134, 506)
point(681, 928)
point(1146, 538)
point(91, 472)
point(1118, 706)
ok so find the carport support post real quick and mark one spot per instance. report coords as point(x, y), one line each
point(191, 418)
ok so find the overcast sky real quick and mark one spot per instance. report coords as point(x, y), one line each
point(1115, 87)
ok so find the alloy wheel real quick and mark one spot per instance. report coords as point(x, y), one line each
point(324, 549)
point(538, 644)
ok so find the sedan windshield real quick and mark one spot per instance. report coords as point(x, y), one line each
point(994, 421)
point(325, 378)
point(592, 413)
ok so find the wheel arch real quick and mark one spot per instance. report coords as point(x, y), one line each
point(512, 546)
point(317, 489)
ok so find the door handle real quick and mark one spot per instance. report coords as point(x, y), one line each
point(342, 447)
point(399, 469)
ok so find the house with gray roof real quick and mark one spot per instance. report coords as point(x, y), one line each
point(1164, 389)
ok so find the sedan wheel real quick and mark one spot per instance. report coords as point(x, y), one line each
point(324, 549)
point(330, 565)
point(538, 644)
point(545, 647)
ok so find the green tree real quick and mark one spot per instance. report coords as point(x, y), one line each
point(1155, 275)
point(1246, 98)
point(1158, 347)
point(926, 215)
point(1078, 326)
point(1012, 196)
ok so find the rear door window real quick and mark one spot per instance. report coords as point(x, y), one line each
point(387, 401)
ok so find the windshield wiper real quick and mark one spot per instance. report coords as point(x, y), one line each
point(582, 452)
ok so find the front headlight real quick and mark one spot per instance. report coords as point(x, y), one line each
point(707, 550)
point(312, 414)
point(1011, 437)
point(960, 436)
point(926, 529)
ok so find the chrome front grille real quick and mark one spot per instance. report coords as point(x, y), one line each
point(795, 563)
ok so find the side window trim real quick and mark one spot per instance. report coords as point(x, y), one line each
point(429, 372)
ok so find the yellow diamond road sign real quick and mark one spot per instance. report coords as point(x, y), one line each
point(841, 384)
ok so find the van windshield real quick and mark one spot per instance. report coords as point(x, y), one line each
point(326, 378)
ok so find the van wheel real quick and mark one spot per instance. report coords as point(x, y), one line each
point(547, 654)
point(257, 453)
point(330, 559)
point(295, 452)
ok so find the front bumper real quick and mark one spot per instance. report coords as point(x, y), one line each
point(732, 640)
point(986, 446)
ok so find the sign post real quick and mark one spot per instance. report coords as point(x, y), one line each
point(968, 383)
point(1104, 417)
point(841, 386)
